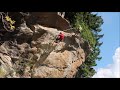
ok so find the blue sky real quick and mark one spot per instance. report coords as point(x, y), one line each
point(111, 31)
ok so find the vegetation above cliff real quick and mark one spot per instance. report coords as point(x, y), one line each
point(89, 25)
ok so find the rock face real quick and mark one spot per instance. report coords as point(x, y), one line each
point(49, 19)
point(59, 65)
point(33, 54)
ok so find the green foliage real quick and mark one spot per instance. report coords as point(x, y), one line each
point(88, 35)
point(79, 22)
point(89, 26)
point(85, 71)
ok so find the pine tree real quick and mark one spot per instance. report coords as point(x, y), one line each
point(91, 24)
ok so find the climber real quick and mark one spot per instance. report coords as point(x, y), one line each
point(60, 37)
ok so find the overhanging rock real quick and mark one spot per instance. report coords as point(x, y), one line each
point(50, 19)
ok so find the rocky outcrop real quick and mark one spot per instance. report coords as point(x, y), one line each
point(33, 53)
point(49, 19)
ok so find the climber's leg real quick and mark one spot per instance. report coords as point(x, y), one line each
point(57, 40)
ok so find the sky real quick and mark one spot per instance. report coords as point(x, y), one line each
point(109, 65)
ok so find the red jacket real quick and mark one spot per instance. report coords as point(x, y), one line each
point(61, 36)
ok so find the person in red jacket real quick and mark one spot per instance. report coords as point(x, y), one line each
point(60, 37)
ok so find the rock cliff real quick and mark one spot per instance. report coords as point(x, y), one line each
point(32, 53)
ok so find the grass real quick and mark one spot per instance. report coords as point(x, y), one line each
point(86, 33)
